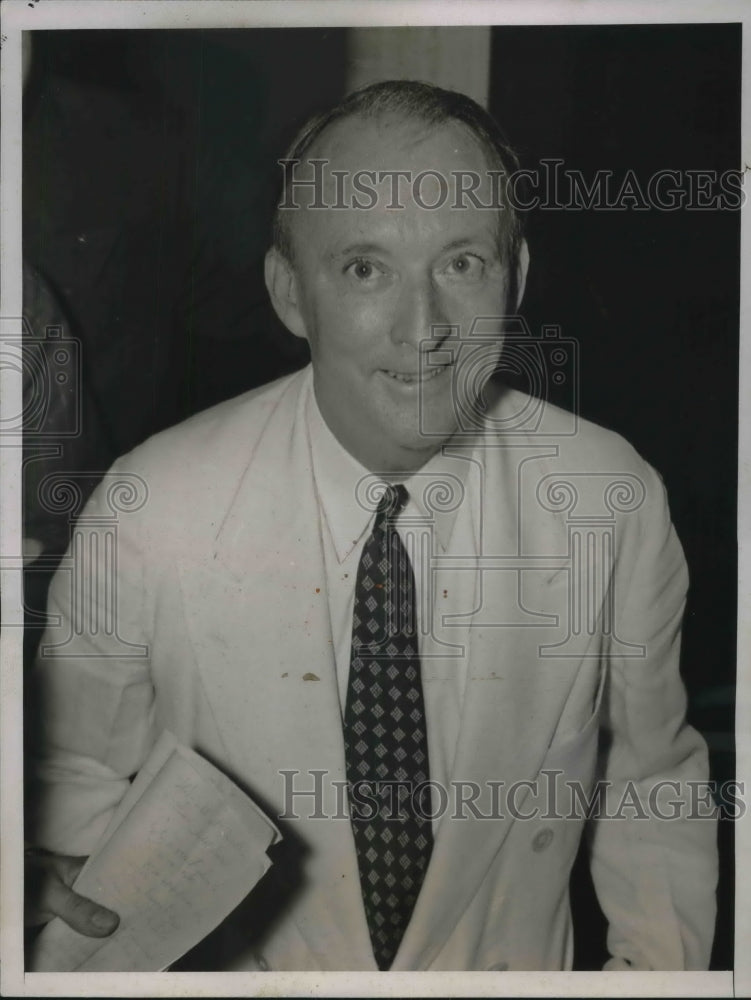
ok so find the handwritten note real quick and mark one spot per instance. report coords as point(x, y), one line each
point(185, 846)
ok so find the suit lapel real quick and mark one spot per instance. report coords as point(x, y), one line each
point(512, 704)
point(258, 615)
point(260, 625)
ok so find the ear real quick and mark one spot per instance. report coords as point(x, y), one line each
point(521, 272)
point(281, 283)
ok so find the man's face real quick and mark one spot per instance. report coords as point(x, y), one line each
point(369, 287)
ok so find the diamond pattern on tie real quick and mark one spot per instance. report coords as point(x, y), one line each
point(385, 737)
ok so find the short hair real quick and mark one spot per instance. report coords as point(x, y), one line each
point(422, 102)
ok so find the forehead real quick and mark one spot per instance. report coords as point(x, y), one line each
point(397, 142)
point(418, 206)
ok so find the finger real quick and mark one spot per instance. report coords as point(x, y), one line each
point(68, 868)
point(82, 914)
point(44, 874)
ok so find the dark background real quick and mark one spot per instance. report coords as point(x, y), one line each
point(149, 175)
point(653, 299)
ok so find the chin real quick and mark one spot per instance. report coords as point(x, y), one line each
point(410, 452)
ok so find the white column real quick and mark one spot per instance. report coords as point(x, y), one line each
point(457, 58)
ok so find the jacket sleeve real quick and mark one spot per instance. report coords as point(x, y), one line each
point(653, 841)
point(89, 716)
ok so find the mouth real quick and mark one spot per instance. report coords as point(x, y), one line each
point(417, 378)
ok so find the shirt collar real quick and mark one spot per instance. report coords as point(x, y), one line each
point(337, 474)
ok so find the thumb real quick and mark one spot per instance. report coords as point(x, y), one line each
point(82, 914)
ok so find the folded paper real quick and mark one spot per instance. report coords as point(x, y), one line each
point(183, 849)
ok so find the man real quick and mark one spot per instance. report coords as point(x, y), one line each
point(382, 574)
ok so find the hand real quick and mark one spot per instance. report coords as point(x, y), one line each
point(33, 548)
point(48, 894)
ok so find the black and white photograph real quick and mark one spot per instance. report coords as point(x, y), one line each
point(373, 529)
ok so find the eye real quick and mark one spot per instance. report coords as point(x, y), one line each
point(363, 271)
point(466, 265)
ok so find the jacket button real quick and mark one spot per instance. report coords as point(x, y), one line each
point(542, 840)
point(498, 967)
point(263, 965)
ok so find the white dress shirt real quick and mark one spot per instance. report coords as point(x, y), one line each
point(347, 512)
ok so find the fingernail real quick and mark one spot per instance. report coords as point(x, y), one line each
point(104, 921)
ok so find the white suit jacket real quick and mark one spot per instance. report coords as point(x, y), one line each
point(222, 623)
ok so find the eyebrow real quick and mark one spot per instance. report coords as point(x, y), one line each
point(366, 248)
point(462, 241)
point(356, 248)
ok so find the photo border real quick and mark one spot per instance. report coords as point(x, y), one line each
point(20, 15)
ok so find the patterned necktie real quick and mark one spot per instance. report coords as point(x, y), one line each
point(385, 736)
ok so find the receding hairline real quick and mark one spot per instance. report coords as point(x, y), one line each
point(391, 118)
point(405, 102)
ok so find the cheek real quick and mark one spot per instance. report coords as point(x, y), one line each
point(350, 330)
point(484, 300)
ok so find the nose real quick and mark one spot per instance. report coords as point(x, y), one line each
point(419, 310)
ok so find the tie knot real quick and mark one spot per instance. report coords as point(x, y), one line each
point(392, 503)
